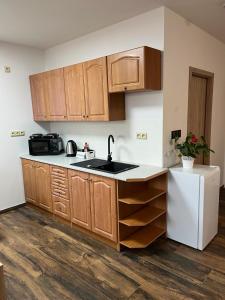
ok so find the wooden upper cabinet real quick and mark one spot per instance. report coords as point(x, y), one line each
point(29, 179)
point(37, 85)
point(43, 186)
point(96, 90)
point(55, 95)
point(80, 198)
point(136, 69)
point(103, 207)
point(74, 90)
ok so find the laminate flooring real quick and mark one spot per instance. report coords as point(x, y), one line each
point(45, 259)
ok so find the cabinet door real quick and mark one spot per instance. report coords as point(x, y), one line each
point(43, 186)
point(126, 70)
point(96, 91)
point(80, 199)
point(37, 87)
point(61, 207)
point(103, 207)
point(74, 89)
point(29, 179)
point(55, 95)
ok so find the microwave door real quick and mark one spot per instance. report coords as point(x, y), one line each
point(39, 147)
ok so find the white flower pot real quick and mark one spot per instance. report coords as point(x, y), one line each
point(187, 162)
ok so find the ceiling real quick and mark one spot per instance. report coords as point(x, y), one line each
point(46, 23)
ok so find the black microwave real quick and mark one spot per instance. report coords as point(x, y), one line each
point(49, 144)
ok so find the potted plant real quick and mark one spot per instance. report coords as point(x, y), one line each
point(191, 148)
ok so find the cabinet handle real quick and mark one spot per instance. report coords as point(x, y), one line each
point(87, 116)
point(83, 116)
point(125, 88)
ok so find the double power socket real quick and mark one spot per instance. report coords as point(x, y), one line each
point(17, 133)
point(142, 136)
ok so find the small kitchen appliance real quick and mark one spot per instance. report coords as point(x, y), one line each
point(71, 148)
point(48, 144)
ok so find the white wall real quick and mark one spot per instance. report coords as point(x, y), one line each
point(187, 45)
point(15, 114)
point(144, 110)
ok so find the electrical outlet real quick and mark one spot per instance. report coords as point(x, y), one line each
point(142, 136)
point(17, 133)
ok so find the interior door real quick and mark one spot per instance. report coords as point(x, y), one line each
point(55, 95)
point(96, 89)
point(80, 198)
point(29, 179)
point(43, 186)
point(197, 108)
point(37, 85)
point(74, 89)
point(103, 207)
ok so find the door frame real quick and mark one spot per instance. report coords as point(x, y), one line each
point(209, 101)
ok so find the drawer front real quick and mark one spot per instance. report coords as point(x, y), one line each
point(59, 171)
point(61, 207)
point(60, 192)
point(59, 182)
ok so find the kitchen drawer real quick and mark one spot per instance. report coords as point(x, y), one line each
point(58, 191)
point(59, 171)
point(59, 182)
point(61, 207)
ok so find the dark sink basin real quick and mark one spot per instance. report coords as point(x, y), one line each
point(105, 166)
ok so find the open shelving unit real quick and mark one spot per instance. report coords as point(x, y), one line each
point(142, 208)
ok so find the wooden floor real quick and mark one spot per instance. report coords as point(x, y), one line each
point(47, 260)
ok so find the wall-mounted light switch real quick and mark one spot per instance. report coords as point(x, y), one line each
point(7, 69)
point(176, 134)
point(17, 133)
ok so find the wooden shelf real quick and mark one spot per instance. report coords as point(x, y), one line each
point(143, 237)
point(143, 217)
point(144, 197)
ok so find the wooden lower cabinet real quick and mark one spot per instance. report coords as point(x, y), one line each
point(93, 203)
point(103, 207)
point(37, 184)
point(127, 214)
point(29, 180)
point(60, 192)
point(43, 186)
point(80, 199)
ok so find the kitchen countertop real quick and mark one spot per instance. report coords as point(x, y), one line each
point(142, 173)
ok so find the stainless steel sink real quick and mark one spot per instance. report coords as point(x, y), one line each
point(105, 166)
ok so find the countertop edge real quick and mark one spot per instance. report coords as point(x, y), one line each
point(124, 176)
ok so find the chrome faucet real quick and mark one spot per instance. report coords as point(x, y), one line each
point(109, 158)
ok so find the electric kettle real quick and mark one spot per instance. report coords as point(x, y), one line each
point(71, 148)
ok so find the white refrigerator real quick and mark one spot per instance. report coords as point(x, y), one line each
point(193, 205)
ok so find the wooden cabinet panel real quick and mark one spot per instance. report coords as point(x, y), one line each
point(80, 198)
point(103, 207)
point(136, 69)
point(43, 186)
point(74, 89)
point(55, 95)
point(126, 70)
point(37, 85)
point(58, 171)
point(29, 179)
point(61, 207)
point(60, 182)
point(96, 92)
point(59, 191)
